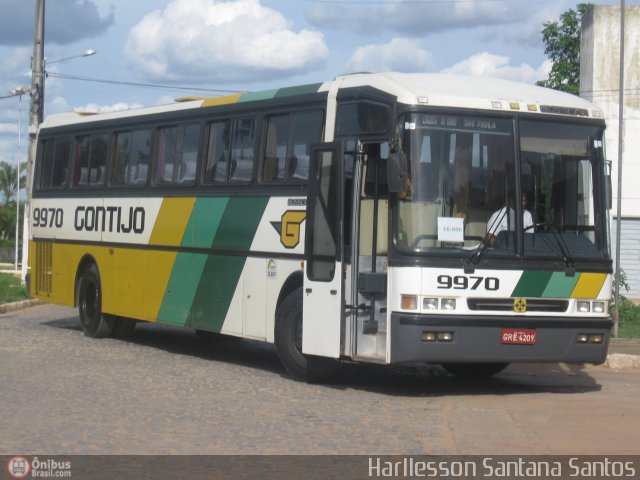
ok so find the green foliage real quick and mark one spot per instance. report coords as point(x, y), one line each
point(562, 41)
point(8, 223)
point(628, 313)
point(11, 289)
point(8, 180)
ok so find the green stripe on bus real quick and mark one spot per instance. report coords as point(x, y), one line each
point(560, 286)
point(221, 274)
point(205, 221)
point(532, 284)
point(253, 96)
point(178, 298)
point(187, 269)
point(298, 90)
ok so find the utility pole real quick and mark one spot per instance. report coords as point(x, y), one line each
point(35, 119)
point(616, 312)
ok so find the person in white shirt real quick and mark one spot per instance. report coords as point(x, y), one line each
point(504, 220)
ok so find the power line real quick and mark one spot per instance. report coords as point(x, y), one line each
point(141, 85)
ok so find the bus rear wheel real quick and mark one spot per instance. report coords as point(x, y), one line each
point(474, 370)
point(94, 323)
point(288, 340)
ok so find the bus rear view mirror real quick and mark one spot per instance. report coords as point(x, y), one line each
point(397, 172)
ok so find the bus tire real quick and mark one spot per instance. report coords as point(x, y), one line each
point(288, 340)
point(123, 327)
point(474, 370)
point(94, 323)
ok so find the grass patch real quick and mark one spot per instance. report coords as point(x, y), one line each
point(11, 289)
point(629, 319)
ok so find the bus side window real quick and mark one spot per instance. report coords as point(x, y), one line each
point(55, 163)
point(131, 158)
point(306, 128)
point(90, 160)
point(217, 161)
point(275, 156)
point(288, 145)
point(242, 150)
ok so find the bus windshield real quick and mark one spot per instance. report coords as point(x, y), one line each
point(470, 188)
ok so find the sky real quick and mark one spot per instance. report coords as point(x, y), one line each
point(175, 48)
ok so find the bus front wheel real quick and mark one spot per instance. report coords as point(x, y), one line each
point(288, 340)
point(474, 370)
point(94, 323)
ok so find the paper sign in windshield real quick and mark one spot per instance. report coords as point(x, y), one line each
point(450, 229)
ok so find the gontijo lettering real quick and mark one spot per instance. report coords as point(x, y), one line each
point(109, 219)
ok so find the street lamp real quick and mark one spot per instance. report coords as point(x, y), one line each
point(44, 73)
point(86, 53)
point(18, 92)
point(38, 75)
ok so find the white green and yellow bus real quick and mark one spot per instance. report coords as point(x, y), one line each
point(383, 218)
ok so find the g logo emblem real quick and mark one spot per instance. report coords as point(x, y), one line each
point(289, 227)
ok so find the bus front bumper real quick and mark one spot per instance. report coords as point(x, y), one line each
point(479, 339)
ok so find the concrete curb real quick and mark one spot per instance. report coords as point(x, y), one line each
point(12, 307)
point(620, 361)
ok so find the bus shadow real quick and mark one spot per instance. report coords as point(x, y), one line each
point(417, 380)
point(434, 381)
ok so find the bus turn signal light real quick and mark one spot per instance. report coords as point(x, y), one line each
point(409, 302)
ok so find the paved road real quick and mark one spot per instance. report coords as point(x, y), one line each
point(164, 392)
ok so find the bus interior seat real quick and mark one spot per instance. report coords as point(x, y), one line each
point(366, 227)
point(420, 218)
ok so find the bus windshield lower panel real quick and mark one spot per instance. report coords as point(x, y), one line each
point(470, 190)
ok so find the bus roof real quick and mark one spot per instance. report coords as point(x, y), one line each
point(441, 90)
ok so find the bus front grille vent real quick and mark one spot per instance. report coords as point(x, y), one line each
point(507, 304)
point(44, 268)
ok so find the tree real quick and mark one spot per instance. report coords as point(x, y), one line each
point(562, 40)
point(8, 178)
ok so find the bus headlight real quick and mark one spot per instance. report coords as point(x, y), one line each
point(448, 303)
point(430, 303)
point(583, 307)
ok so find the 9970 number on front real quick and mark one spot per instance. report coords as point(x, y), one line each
point(462, 282)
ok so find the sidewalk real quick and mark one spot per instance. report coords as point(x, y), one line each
point(623, 353)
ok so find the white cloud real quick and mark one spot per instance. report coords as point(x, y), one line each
point(399, 54)
point(419, 19)
point(487, 64)
point(241, 40)
point(116, 107)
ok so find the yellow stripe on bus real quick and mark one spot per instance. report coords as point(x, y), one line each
point(168, 230)
point(226, 100)
point(172, 221)
point(589, 285)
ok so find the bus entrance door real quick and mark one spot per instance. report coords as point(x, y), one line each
point(368, 333)
point(323, 304)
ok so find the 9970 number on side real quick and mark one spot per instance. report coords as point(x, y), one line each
point(48, 217)
point(461, 282)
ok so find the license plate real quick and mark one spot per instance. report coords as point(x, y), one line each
point(517, 336)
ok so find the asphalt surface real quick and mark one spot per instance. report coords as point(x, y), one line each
point(163, 391)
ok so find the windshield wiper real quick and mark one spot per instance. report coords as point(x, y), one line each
point(472, 260)
point(569, 263)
